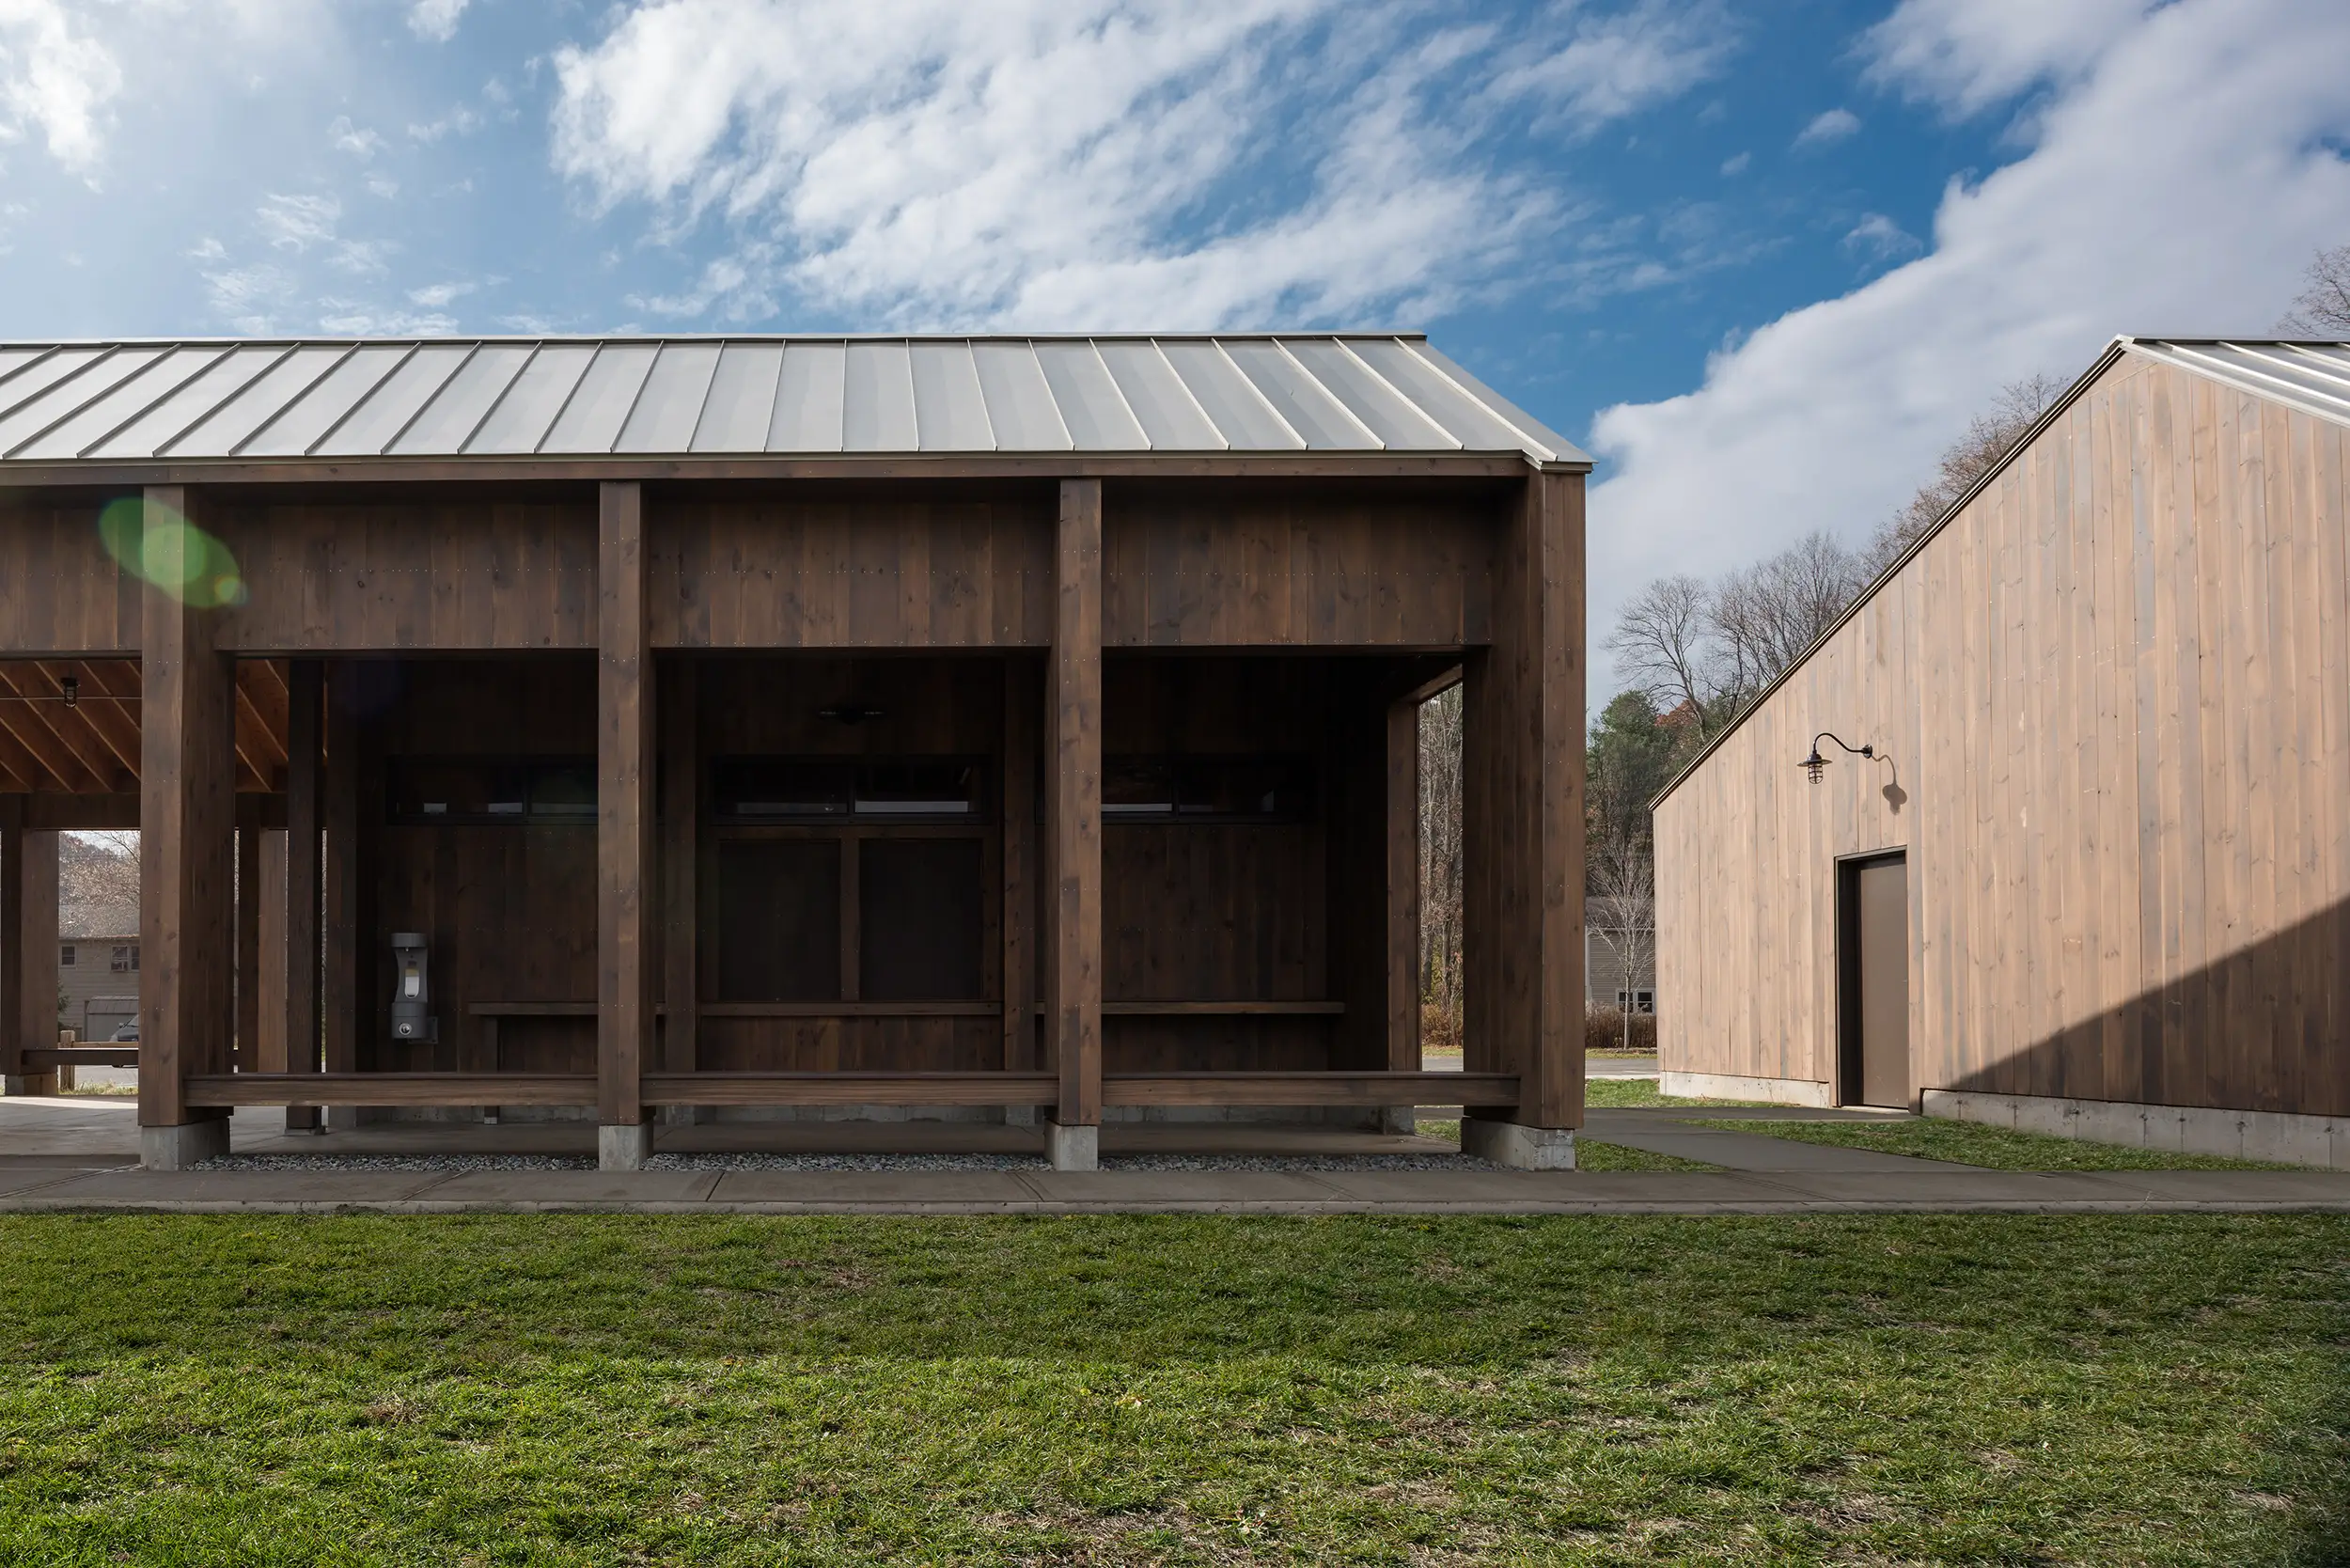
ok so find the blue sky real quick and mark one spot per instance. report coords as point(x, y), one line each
point(1765, 261)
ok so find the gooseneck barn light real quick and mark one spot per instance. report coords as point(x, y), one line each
point(1816, 764)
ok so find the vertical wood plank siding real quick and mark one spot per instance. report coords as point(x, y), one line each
point(2115, 696)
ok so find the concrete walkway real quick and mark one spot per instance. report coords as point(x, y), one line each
point(77, 1155)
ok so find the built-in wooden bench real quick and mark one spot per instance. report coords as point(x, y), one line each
point(82, 1055)
point(393, 1088)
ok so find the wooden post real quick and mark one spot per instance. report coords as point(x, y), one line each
point(248, 977)
point(340, 987)
point(302, 887)
point(187, 822)
point(681, 785)
point(1021, 696)
point(1402, 886)
point(1523, 833)
point(28, 989)
point(624, 827)
point(1072, 831)
point(269, 1030)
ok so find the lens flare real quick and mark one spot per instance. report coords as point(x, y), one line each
point(158, 545)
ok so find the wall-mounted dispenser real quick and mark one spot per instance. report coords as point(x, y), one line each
point(412, 991)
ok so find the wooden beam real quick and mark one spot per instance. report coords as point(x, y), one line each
point(305, 875)
point(1308, 1089)
point(1401, 902)
point(1072, 809)
point(34, 737)
point(1022, 692)
point(681, 864)
point(625, 818)
point(113, 725)
point(1522, 803)
point(248, 976)
point(849, 1088)
point(187, 768)
point(393, 1088)
point(257, 754)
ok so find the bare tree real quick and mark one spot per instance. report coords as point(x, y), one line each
point(1441, 901)
point(97, 875)
point(1990, 436)
point(1766, 615)
point(1623, 915)
point(1664, 645)
point(2323, 309)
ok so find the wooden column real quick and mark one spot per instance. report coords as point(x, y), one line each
point(626, 892)
point(340, 985)
point(680, 792)
point(248, 949)
point(1401, 902)
point(269, 1028)
point(187, 826)
point(303, 888)
point(28, 930)
point(1523, 814)
point(1022, 692)
point(1072, 809)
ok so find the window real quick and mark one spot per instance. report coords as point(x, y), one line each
point(1206, 788)
point(492, 791)
point(803, 789)
point(125, 960)
point(65, 956)
point(1636, 1001)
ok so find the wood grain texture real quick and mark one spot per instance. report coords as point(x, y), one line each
point(269, 1040)
point(1522, 813)
point(1023, 745)
point(626, 891)
point(2114, 693)
point(392, 1088)
point(36, 884)
point(849, 566)
point(60, 593)
point(1270, 566)
point(304, 889)
point(188, 822)
point(389, 577)
point(12, 965)
point(1309, 1088)
point(1072, 809)
point(681, 865)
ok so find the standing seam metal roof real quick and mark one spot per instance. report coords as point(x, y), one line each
point(801, 397)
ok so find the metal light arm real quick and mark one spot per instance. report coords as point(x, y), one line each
point(1816, 764)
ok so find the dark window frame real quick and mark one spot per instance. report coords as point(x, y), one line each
point(529, 779)
point(1190, 784)
point(853, 794)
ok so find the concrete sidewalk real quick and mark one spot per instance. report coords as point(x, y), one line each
point(26, 1187)
point(72, 1154)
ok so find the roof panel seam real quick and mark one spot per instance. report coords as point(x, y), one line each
point(1328, 391)
point(474, 430)
point(1258, 392)
point(160, 398)
point(555, 423)
point(1526, 442)
point(251, 382)
point(61, 384)
point(87, 403)
point(41, 358)
point(362, 400)
point(236, 449)
point(1189, 396)
point(660, 347)
point(1405, 397)
point(429, 399)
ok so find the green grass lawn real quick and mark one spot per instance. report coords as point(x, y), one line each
point(578, 1390)
point(1995, 1148)
point(1615, 1093)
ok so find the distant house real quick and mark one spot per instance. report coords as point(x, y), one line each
point(1620, 953)
point(98, 940)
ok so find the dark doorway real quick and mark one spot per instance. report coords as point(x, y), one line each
point(1873, 981)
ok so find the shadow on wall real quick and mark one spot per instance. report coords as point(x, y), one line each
point(2266, 1028)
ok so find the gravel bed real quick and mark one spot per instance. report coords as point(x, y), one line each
point(831, 1163)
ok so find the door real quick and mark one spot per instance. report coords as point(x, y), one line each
point(1873, 1007)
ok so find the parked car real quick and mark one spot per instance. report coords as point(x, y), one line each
point(127, 1035)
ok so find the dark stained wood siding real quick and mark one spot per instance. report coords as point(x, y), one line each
point(1297, 565)
point(60, 591)
point(2115, 691)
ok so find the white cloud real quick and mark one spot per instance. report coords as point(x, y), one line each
point(252, 300)
point(350, 319)
point(347, 137)
point(2179, 183)
point(1833, 126)
point(1736, 164)
point(55, 79)
point(1615, 65)
point(1052, 162)
point(1968, 55)
point(296, 222)
point(435, 20)
point(437, 296)
point(1880, 239)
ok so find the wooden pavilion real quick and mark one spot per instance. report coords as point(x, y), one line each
point(570, 727)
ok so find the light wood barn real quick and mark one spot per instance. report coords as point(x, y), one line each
point(967, 725)
point(2097, 878)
